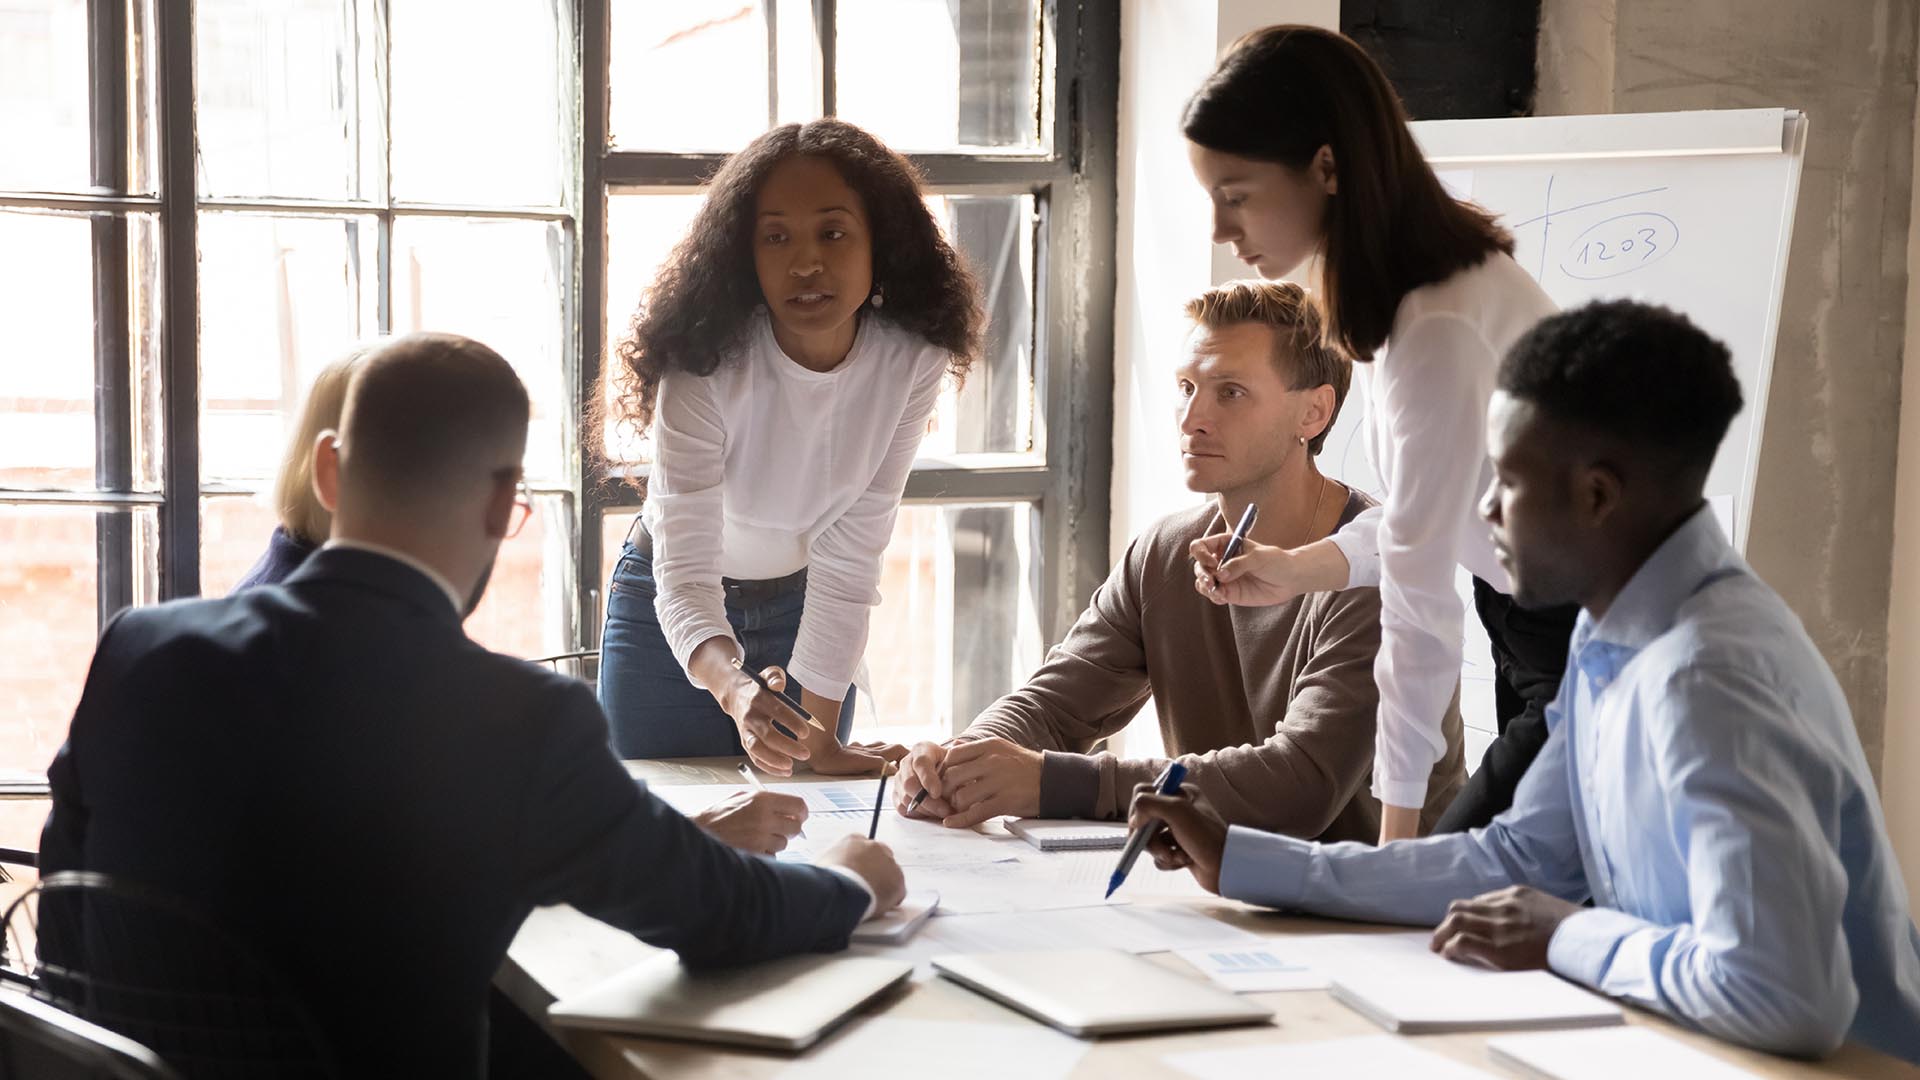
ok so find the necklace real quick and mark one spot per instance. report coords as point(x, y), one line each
point(1314, 518)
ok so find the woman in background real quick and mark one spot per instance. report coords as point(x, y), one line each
point(786, 360)
point(304, 523)
point(1302, 144)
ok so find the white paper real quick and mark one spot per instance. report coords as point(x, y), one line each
point(1356, 955)
point(1609, 1053)
point(918, 844)
point(1334, 1059)
point(1140, 928)
point(1252, 970)
point(837, 797)
point(939, 1050)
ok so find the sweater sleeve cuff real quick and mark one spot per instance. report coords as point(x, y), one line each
point(1069, 785)
point(1264, 868)
point(1584, 944)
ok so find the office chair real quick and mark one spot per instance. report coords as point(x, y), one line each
point(149, 966)
point(585, 663)
point(40, 1041)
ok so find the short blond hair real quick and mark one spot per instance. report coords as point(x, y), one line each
point(300, 511)
point(1300, 346)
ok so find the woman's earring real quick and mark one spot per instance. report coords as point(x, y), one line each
point(1303, 440)
point(879, 296)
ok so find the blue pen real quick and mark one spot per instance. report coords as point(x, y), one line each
point(1168, 784)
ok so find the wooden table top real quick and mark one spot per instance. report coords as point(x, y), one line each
point(560, 951)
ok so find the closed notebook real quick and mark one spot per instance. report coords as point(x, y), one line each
point(1099, 991)
point(783, 1005)
point(1604, 1055)
point(899, 924)
point(1052, 834)
point(1422, 1004)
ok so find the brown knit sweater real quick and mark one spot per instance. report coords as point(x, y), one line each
point(1270, 708)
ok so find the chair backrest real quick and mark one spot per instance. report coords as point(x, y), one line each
point(150, 966)
point(583, 665)
point(41, 1041)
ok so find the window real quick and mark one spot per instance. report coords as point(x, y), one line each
point(1005, 522)
point(221, 198)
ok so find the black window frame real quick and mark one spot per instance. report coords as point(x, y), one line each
point(1072, 183)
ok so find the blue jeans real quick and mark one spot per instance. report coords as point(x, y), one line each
point(654, 711)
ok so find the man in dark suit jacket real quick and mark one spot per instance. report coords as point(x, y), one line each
point(331, 769)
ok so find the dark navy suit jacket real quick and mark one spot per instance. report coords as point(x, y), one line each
point(285, 552)
point(334, 771)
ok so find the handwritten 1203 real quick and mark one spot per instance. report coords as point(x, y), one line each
point(1620, 245)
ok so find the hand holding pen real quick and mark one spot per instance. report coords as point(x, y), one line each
point(1233, 569)
point(760, 711)
point(1188, 835)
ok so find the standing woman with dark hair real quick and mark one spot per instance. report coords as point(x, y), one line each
point(1304, 149)
point(786, 360)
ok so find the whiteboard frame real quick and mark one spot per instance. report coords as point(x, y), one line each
point(1642, 135)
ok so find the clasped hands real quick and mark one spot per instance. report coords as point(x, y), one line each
point(967, 782)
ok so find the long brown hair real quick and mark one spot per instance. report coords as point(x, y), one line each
point(1282, 93)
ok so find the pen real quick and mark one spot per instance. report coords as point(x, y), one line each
point(1168, 784)
point(878, 798)
point(784, 699)
point(754, 779)
point(1240, 532)
point(917, 800)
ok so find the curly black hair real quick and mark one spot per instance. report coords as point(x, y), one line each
point(1632, 371)
point(702, 302)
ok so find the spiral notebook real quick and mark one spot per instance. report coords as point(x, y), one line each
point(1057, 834)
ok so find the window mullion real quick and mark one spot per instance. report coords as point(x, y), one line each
point(826, 21)
point(112, 335)
point(179, 345)
point(590, 305)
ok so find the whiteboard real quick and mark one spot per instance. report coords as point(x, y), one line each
point(1692, 210)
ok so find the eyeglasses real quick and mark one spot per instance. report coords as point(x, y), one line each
point(522, 509)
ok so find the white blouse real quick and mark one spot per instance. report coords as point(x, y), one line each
point(765, 467)
point(1427, 396)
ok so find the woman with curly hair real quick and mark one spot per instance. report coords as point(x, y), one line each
point(786, 361)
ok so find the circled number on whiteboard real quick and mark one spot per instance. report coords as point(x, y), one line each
point(1620, 245)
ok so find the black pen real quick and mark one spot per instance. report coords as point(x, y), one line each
point(1240, 532)
point(879, 797)
point(784, 699)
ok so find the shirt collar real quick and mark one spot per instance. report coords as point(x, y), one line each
point(1646, 608)
point(453, 595)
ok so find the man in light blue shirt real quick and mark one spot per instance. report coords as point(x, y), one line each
point(1702, 782)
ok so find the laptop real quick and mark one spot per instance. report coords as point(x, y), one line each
point(784, 1005)
point(1090, 992)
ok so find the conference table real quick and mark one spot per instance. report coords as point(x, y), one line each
point(559, 952)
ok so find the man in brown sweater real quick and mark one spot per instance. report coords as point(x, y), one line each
point(1271, 709)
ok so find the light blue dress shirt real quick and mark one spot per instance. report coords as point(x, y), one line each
point(1702, 782)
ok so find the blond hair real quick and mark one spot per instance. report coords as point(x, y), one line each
point(1300, 346)
point(300, 512)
